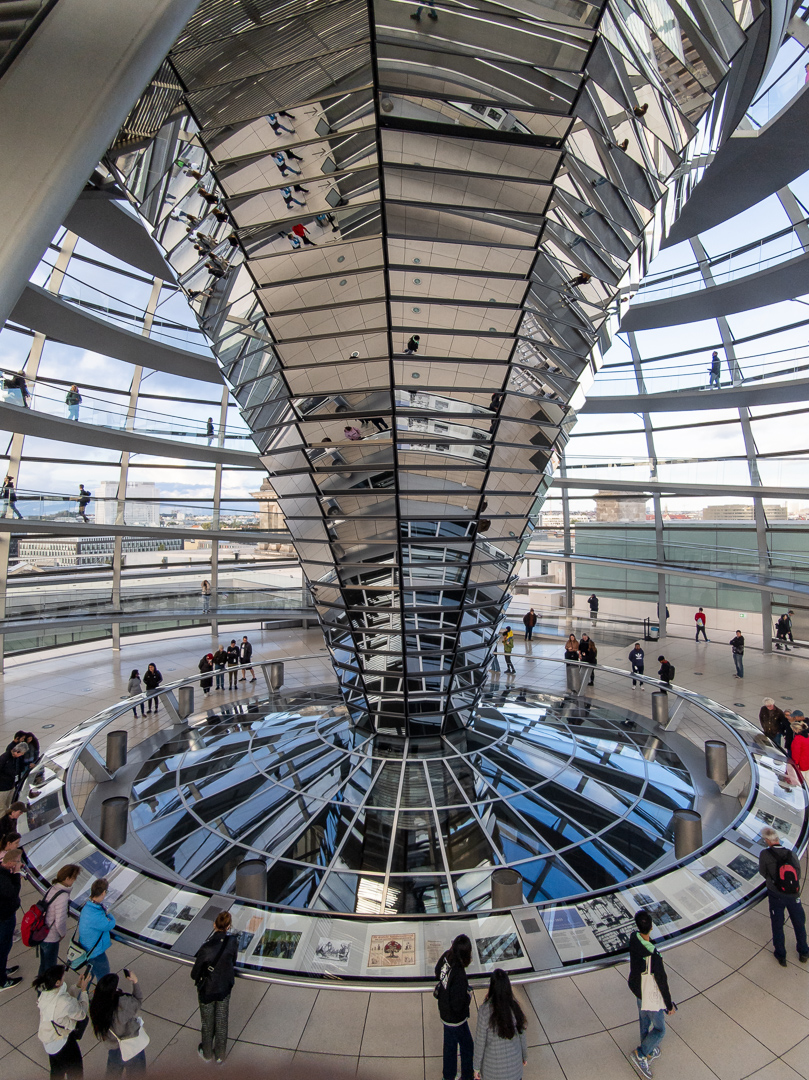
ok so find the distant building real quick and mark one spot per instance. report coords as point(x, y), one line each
point(269, 515)
point(742, 512)
point(135, 512)
point(88, 551)
point(620, 507)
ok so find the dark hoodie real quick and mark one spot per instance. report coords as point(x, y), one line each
point(637, 966)
point(454, 992)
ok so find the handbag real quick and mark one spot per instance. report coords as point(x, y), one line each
point(131, 1047)
point(77, 954)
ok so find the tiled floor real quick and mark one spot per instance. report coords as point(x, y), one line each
point(740, 1014)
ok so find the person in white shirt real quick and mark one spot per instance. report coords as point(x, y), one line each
point(63, 1012)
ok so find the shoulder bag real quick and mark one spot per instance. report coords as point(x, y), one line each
point(131, 1047)
point(77, 954)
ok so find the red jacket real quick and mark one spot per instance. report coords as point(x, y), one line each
point(800, 752)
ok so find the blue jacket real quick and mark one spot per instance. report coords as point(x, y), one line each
point(95, 924)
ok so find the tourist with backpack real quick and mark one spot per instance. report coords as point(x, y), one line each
point(54, 907)
point(214, 973)
point(782, 873)
point(454, 995)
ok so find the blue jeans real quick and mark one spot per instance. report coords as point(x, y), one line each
point(100, 966)
point(458, 1038)
point(220, 676)
point(652, 1029)
point(779, 906)
point(116, 1064)
point(48, 955)
point(738, 660)
point(6, 937)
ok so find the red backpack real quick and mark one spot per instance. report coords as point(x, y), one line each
point(786, 876)
point(33, 928)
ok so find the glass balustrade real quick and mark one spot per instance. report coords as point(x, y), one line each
point(99, 411)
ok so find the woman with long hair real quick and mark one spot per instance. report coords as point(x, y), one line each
point(114, 1016)
point(62, 1020)
point(57, 899)
point(454, 995)
point(501, 1049)
point(571, 648)
point(214, 973)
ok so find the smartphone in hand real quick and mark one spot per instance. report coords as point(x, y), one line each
point(127, 974)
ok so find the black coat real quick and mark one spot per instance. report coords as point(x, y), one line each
point(217, 985)
point(233, 655)
point(152, 679)
point(11, 770)
point(454, 994)
point(205, 665)
point(637, 966)
point(245, 652)
point(9, 893)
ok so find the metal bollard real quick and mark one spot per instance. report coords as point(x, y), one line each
point(185, 701)
point(660, 707)
point(116, 750)
point(575, 678)
point(251, 880)
point(716, 761)
point(506, 889)
point(277, 674)
point(114, 821)
point(687, 832)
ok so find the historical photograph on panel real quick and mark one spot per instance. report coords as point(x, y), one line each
point(611, 923)
point(744, 866)
point(661, 911)
point(337, 952)
point(782, 827)
point(719, 879)
point(397, 950)
point(494, 950)
point(278, 944)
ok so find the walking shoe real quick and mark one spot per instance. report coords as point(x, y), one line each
point(7, 985)
point(11, 970)
point(782, 960)
point(655, 1053)
point(199, 1051)
point(641, 1064)
point(803, 957)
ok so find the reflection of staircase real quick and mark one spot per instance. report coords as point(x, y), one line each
point(18, 21)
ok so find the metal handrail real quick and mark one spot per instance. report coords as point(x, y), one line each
point(121, 716)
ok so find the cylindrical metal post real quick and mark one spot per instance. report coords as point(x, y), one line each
point(116, 750)
point(185, 701)
point(113, 821)
point(687, 832)
point(251, 880)
point(660, 707)
point(650, 748)
point(716, 761)
point(277, 674)
point(506, 888)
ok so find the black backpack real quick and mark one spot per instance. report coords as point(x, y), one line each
point(786, 876)
point(671, 672)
